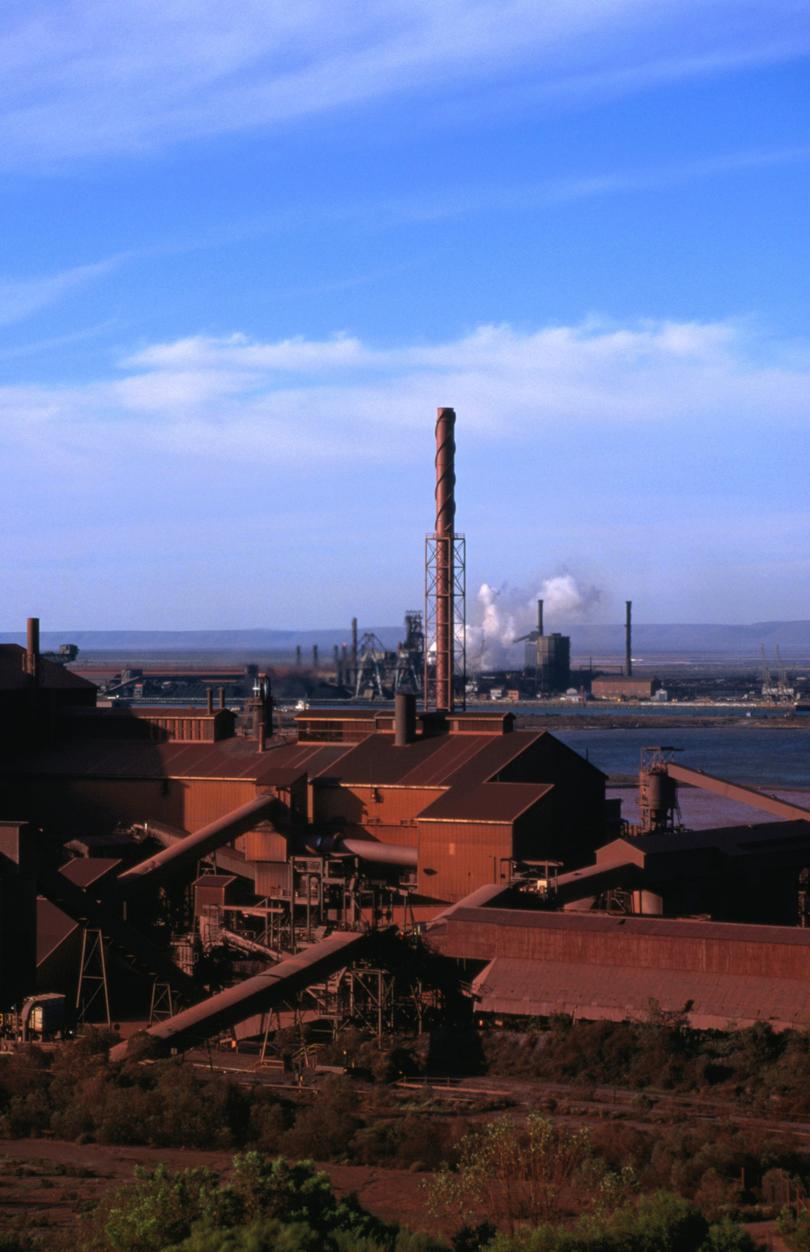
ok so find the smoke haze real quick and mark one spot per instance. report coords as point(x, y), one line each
point(501, 615)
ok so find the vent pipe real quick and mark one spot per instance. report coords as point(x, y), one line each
point(31, 659)
point(628, 640)
point(404, 718)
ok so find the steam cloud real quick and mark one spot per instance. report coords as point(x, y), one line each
point(503, 614)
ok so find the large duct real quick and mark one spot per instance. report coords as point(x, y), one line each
point(183, 855)
point(445, 536)
point(628, 640)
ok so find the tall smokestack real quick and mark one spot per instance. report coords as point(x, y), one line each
point(32, 648)
point(315, 656)
point(445, 535)
point(628, 640)
point(354, 649)
point(298, 656)
point(540, 618)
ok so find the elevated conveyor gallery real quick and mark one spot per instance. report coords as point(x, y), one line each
point(275, 986)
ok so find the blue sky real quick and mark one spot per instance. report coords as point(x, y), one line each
point(245, 251)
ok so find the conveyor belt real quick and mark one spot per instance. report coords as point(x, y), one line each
point(276, 985)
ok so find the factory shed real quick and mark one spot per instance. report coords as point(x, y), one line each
point(470, 802)
point(624, 688)
point(732, 873)
point(537, 963)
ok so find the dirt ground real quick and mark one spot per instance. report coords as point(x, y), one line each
point(45, 1183)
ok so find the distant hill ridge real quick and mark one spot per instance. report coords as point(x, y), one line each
point(741, 640)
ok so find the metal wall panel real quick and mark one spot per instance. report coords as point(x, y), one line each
point(455, 858)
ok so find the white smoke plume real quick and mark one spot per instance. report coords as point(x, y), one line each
point(501, 615)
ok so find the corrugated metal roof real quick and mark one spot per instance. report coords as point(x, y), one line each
point(541, 988)
point(659, 927)
point(227, 758)
point(488, 802)
point(432, 762)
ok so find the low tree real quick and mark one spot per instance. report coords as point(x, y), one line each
point(510, 1172)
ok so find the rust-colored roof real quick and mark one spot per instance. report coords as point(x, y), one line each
point(758, 839)
point(227, 758)
point(500, 802)
point(53, 928)
point(659, 927)
point(82, 871)
point(711, 1001)
point(431, 762)
point(51, 675)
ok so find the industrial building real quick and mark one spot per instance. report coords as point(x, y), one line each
point(547, 659)
point(608, 687)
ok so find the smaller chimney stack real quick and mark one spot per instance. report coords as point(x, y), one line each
point(404, 718)
point(315, 656)
point(210, 694)
point(628, 641)
point(32, 648)
point(298, 656)
point(354, 649)
point(222, 697)
point(540, 618)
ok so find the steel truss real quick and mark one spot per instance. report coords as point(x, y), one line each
point(445, 615)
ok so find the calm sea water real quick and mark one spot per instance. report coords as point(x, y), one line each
point(777, 757)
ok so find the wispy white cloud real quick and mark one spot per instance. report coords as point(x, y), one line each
point(84, 78)
point(530, 196)
point(22, 297)
point(214, 401)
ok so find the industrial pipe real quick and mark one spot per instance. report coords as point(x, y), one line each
point(369, 850)
point(445, 542)
point(186, 852)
